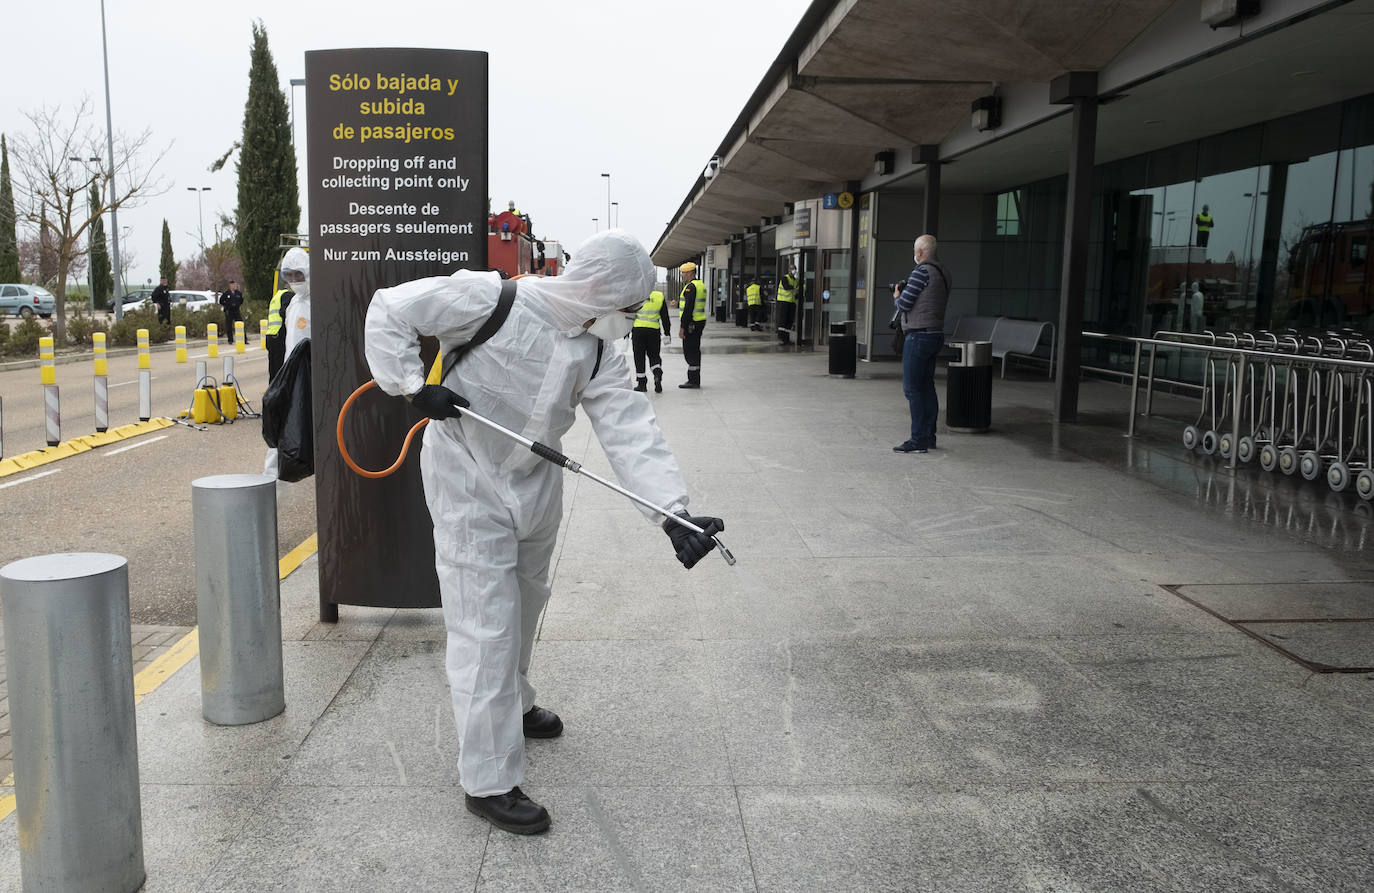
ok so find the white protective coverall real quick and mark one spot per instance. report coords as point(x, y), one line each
point(495, 505)
point(296, 322)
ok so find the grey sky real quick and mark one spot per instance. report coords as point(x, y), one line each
point(635, 89)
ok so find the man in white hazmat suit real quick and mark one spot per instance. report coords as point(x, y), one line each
point(496, 506)
point(295, 275)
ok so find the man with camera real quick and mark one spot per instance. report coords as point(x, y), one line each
point(921, 302)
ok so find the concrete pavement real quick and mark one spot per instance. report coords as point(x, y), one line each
point(953, 671)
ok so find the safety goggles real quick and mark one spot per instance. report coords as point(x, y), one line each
point(293, 275)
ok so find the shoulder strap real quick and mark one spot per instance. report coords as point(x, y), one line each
point(596, 367)
point(489, 328)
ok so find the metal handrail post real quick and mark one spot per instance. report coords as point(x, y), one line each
point(1135, 387)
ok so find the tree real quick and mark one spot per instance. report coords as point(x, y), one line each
point(9, 241)
point(102, 278)
point(167, 265)
point(268, 200)
point(47, 259)
point(53, 188)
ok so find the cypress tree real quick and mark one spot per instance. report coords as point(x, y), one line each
point(167, 266)
point(9, 241)
point(102, 278)
point(268, 200)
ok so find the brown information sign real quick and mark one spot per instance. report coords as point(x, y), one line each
point(397, 166)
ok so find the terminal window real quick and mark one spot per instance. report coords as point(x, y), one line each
point(1009, 213)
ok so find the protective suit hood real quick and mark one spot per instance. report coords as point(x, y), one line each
point(297, 259)
point(609, 271)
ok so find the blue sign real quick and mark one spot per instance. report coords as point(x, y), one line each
point(831, 201)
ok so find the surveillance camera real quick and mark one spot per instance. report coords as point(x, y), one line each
point(711, 167)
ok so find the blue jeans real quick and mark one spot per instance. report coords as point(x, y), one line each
point(918, 384)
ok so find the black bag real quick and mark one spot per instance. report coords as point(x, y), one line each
point(287, 419)
point(898, 336)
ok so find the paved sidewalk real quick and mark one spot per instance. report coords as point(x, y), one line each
point(958, 671)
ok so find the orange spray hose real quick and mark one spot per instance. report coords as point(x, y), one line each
point(343, 450)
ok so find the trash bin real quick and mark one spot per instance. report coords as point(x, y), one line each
point(844, 350)
point(741, 315)
point(968, 387)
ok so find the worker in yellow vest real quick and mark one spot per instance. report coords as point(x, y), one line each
point(652, 314)
point(691, 323)
point(276, 338)
point(1204, 227)
point(787, 305)
point(753, 295)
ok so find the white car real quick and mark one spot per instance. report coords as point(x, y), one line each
point(195, 300)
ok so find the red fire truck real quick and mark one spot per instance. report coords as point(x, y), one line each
point(513, 251)
point(1330, 282)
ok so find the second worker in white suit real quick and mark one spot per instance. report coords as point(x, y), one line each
point(496, 506)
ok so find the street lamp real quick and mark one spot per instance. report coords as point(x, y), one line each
point(199, 191)
point(608, 200)
point(295, 82)
point(109, 147)
point(595, 226)
point(616, 205)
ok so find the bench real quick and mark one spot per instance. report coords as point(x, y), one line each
point(1019, 337)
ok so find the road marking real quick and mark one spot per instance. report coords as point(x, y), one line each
point(180, 654)
point(120, 384)
point(134, 446)
point(41, 474)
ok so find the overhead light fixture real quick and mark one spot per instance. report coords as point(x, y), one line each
point(987, 113)
point(787, 209)
point(882, 162)
point(1303, 74)
point(1222, 13)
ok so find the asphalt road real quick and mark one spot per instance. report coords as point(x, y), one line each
point(133, 498)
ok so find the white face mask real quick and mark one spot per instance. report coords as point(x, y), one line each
point(610, 328)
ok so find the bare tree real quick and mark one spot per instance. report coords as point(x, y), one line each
point(58, 162)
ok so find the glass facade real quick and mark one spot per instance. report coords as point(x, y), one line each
point(1264, 227)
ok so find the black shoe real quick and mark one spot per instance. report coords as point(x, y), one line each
point(541, 723)
point(689, 384)
point(910, 446)
point(658, 384)
point(511, 811)
point(641, 386)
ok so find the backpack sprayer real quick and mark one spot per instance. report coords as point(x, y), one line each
point(214, 402)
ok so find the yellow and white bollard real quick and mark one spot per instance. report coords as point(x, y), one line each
point(212, 340)
point(240, 338)
point(102, 383)
point(181, 344)
point(145, 378)
point(52, 410)
point(262, 334)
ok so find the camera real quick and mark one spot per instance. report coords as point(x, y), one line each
point(712, 167)
point(897, 286)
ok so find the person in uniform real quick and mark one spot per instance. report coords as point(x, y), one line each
point(651, 315)
point(691, 323)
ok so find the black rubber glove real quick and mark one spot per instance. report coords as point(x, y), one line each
point(692, 547)
point(438, 402)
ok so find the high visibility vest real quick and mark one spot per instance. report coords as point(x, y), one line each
point(699, 303)
point(752, 294)
point(274, 312)
point(1204, 223)
point(787, 290)
point(650, 313)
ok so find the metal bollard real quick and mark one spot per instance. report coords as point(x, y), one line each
point(228, 376)
point(71, 700)
point(240, 338)
point(212, 340)
point(181, 344)
point(52, 398)
point(102, 383)
point(145, 378)
point(238, 602)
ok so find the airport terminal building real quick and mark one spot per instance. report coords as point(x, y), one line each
point(1120, 167)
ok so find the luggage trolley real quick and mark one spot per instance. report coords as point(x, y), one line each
point(1359, 436)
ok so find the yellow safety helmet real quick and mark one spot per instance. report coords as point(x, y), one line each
point(688, 267)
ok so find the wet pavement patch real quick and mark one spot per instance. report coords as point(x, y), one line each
point(1326, 627)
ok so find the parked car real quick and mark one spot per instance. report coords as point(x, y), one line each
point(26, 300)
point(195, 300)
point(133, 299)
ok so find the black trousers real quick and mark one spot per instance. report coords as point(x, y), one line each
point(231, 317)
point(276, 353)
point(691, 345)
point(645, 343)
point(164, 312)
point(755, 314)
point(787, 312)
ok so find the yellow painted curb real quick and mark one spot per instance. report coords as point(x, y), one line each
point(26, 461)
point(180, 654)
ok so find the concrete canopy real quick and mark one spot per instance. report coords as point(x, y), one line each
point(858, 77)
